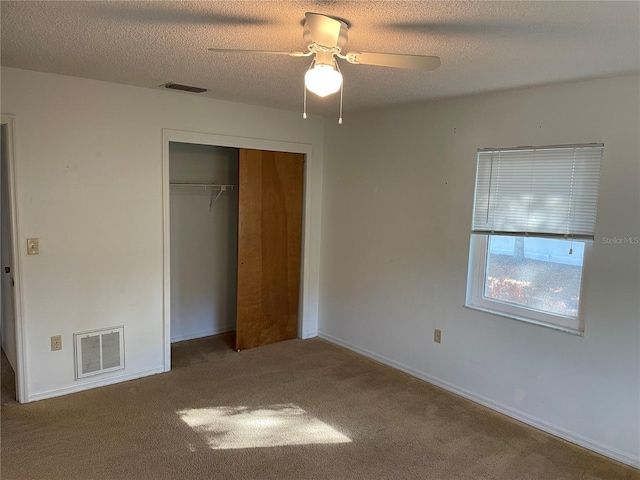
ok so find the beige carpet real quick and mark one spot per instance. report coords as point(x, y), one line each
point(294, 410)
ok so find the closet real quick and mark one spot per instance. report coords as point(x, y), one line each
point(235, 243)
point(203, 192)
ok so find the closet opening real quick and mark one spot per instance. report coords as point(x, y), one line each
point(203, 194)
point(237, 223)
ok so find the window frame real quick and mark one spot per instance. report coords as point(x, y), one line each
point(476, 300)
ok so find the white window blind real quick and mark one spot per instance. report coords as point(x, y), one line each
point(551, 191)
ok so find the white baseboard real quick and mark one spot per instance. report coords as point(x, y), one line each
point(536, 422)
point(98, 382)
point(205, 333)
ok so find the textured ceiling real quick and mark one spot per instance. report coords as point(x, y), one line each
point(484, 46)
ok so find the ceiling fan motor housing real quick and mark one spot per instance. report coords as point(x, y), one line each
point(325, 31)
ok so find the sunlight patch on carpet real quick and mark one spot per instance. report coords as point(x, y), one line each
point(253, 427)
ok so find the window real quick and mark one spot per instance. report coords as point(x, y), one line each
point(533, 226)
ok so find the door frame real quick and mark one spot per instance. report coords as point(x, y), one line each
point(16, 264)
point(309, 265)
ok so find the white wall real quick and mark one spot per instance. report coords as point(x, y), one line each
point(88, 160)
point(203, 242)
point(397, 205)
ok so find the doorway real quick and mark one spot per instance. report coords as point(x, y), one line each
point(235, 145)
point(10, 326)
point(7, 326)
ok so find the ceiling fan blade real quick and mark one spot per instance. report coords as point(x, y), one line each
point(269, 52)
point(174, 14)
point(395, 60)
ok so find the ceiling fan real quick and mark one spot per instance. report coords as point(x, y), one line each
point(326, 37)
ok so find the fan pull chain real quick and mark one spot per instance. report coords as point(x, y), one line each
point(304, 108)
point(341, 91)
point(304, 103)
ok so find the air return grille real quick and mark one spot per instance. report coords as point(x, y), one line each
point(99, 351)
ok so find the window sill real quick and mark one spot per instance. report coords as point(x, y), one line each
point(551, 326)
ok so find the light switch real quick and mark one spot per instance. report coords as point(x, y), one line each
point(33, 246)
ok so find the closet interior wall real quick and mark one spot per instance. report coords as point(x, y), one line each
point(204, 237)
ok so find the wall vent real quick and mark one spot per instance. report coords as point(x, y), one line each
point(99, 351)
point(184, 88)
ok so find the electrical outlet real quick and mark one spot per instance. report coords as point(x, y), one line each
point(437, 336)
point(56, 343)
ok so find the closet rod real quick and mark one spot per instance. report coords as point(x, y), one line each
point(211, 186)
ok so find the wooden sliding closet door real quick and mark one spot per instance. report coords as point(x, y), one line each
point(269, 242)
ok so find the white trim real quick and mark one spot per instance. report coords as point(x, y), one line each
point(22, 393)
point(166, 259)
point(511, 316)
point(80, 387)
point(524, 417)
point(205, 333)
point(307, 321)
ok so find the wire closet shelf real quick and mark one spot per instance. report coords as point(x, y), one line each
point(202, 189)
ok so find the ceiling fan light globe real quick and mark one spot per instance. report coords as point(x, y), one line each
point(323, 80)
